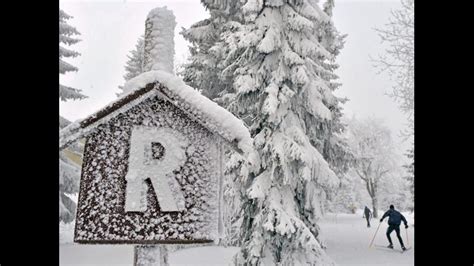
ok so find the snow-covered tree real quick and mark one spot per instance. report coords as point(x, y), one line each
point(203, 71)
point(66, 33)
point(279, 60)
point(345, 198)
point(352, 193)
point(399, 62)
point(207, 50)
point(68, 184)
point(69, 175)
point(180, 62)
point(232, 202)
point(399, 58)
point(69, 171)
point(134, 64)
point(394, 189)
point(374, 154)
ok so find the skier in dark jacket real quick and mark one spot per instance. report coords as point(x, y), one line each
point(367, 215)
point(394, 220)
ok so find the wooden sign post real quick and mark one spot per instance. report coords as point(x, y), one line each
point(151, 255)
point(152, 169)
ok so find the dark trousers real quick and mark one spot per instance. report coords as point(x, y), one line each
point(390, 229)
point(368, 221)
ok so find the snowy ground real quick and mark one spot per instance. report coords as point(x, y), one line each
point(346, 236)
point(347, 239)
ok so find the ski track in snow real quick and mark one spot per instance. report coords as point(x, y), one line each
point(347, 239)
point(346, 236)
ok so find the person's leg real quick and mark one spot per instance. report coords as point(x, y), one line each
point(389, 231)
point(368, 223)
point(397, 229)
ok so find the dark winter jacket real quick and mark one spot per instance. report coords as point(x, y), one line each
point(394, 217)
point(367, 212)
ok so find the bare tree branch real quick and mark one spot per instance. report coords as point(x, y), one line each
point(399, 61)
point(361, 175)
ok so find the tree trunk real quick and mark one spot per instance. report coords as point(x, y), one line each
point(375, 205)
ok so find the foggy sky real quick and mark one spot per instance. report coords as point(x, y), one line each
point(109, 30)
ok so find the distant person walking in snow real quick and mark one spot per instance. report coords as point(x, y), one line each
point(394, 220)
point(367, 215)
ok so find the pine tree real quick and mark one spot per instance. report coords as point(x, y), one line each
point(65, 36)
point(69, 171)
point(203, 72)
point(134, 64)
point(334, 146)
point(280, 61)
point(207, 50)
point(68, 184)
point(69, 175)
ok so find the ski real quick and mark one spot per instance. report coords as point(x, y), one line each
point(387, 248)
point(384, 247)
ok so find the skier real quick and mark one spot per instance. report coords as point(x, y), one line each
point(367, 215)
point(394, 220)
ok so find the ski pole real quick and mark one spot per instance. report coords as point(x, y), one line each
point(371, 242)
point(406, 231)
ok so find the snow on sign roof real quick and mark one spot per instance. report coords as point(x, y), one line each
point(198, 107)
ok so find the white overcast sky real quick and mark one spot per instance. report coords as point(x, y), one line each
point(109, 30)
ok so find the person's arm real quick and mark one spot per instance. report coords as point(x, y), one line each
point(404, 220)
point(385, 215)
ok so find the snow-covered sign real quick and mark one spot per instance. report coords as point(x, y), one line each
point(152, 169)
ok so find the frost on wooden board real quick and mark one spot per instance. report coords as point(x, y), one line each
point(159, 40)
point(158, 166)
point(101, 214)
